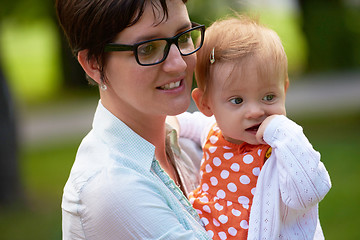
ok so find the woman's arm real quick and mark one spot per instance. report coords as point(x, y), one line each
point(303, 179)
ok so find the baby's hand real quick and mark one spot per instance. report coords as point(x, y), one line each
point(261, 130)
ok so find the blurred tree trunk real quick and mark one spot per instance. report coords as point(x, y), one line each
point(331, 44)
point(9, 173)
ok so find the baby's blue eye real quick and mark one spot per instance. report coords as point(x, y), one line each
point(269, 97)
point(236, 100)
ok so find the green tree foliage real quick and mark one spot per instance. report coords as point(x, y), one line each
point(332, 30)
point(206, 12)
point(26, 10)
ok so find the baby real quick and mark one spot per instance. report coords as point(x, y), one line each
point(260, 176)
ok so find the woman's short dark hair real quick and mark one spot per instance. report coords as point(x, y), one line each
point(91, 24)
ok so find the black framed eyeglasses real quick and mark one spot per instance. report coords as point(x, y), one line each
point(155, 51)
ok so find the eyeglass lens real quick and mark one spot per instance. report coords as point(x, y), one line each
point(155, 51)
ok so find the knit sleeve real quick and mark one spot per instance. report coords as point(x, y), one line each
point(303, 179)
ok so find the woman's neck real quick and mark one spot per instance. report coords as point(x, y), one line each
point(152, 130)
point(150, 127)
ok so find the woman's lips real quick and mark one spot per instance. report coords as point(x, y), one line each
point(170, 86)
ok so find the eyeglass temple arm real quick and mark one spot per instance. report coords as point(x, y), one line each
point(117, 47)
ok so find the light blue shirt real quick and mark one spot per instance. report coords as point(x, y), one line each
point(117, 189)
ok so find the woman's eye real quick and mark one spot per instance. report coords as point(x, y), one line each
point(269, 97)
point(184, 38)
point(236, 100)
point(146, 49)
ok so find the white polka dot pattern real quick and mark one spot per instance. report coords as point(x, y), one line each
point(229, 179)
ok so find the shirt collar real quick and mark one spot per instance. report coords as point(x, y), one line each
point(122, 139)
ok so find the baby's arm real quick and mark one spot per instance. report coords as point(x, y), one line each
point(303, 179)
point(194, 126)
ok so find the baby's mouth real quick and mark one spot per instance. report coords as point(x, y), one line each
point(254, 128)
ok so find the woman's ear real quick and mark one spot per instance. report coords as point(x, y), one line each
point(201, 102)
point(90, 66)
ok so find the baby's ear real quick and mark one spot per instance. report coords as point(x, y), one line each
point(286, 85)
point(201, 102)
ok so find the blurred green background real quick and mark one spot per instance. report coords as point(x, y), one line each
point(52, 104)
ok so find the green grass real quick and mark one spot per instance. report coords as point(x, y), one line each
point(45, 168)
point(338, 141)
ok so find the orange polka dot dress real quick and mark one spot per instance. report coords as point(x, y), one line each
point(229, 175)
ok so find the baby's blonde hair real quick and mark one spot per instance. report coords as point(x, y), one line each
point(238, 40)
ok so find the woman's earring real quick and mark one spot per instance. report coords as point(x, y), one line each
point(103, 86)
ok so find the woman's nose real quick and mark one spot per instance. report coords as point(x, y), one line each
point(174, 60)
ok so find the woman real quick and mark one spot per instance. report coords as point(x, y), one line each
point(129, 179)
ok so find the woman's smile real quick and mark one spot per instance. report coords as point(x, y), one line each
point(171, 85)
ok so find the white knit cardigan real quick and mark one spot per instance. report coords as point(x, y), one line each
point(291, 183)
